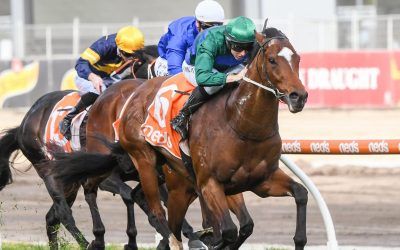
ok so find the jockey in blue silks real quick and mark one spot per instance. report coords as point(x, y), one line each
point(181, 34)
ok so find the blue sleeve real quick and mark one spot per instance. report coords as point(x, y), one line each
point(175, 55)
point(162, 45)
point(91, 56)
point(82, 68)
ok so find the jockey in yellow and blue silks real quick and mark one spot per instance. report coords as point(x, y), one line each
point(96, 63)
point(181, 34)
point(216, 58)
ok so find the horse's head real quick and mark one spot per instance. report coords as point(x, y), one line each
point(142, 58)
point(275, 64)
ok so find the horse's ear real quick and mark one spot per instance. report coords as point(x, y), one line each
point(265, 25)
point(260, 37)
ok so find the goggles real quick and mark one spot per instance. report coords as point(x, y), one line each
point(127, 55)
point(204, 25)
point(239, 47)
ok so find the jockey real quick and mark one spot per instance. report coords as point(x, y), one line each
point(181, 33)
point(218, 56)
point(97, 63)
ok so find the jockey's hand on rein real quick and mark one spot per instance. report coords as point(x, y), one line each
point(96, 80)
point(236, 77)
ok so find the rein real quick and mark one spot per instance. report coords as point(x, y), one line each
point(133, 68)
point(150, 70)
point(274, 91)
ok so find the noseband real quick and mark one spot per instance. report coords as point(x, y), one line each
point(268, 85)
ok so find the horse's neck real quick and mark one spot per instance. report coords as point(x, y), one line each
point(252, 112)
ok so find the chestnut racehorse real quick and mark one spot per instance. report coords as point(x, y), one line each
point(238, 151)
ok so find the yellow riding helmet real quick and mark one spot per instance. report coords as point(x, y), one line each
point(129, 39)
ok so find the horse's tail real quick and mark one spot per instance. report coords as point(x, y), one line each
point(8, 144)
point(75, 167)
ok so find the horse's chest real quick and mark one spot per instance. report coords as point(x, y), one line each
point(248, 175)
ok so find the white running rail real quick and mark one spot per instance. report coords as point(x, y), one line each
point(330, 230)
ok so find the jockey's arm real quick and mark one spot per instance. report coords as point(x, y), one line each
point(84, 71)
point(91, 56)
point(175, 55)
point(82, 68)
point(205, 76)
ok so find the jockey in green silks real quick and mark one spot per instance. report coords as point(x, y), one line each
point(215, 59)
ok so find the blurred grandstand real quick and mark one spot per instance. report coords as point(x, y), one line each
point(55, 32)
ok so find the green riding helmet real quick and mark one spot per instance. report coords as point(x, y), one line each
point(240, 30)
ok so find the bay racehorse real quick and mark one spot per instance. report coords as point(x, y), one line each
point(28, 138)
point(238, 151)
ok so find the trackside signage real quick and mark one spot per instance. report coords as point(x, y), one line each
point(351, 79)
point(341, 146)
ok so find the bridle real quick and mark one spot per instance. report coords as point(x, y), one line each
point(268, 85)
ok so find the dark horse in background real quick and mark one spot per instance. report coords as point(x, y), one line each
point(28, 138)
point(239, 152)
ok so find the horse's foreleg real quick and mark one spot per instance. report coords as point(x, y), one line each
point(53, 223)
point(280, 184)
point(115, 185)
point(52, 226)
point(90, 191)
point(62, 210)
point(238, 207)
point(215, 199)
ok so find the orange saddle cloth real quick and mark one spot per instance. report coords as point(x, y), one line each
point(165, 106)
point(52, 133)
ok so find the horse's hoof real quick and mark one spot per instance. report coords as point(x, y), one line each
point(163, 245)
point(94, 246)
point(197, 245)
point(204, 233)
point(130, 247)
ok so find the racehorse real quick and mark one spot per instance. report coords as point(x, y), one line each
point(28, 137)
point(238, 152)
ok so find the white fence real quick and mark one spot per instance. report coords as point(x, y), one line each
point(65, 41)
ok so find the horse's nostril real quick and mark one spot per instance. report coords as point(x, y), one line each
point(294, 96)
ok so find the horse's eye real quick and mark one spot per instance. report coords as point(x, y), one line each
point(271, 60)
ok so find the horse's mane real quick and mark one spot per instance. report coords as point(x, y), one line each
point(146, 56)
point(273, 32)
point(151, 50)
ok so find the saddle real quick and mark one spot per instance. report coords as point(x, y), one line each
point(52, 135)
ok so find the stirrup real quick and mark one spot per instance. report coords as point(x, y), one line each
point(179, 124)
point(177, 121)
point(65, 129)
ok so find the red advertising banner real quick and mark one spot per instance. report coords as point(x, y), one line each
point(352, 79)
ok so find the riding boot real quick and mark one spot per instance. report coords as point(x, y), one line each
point(180, 122)
point(85, 101)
